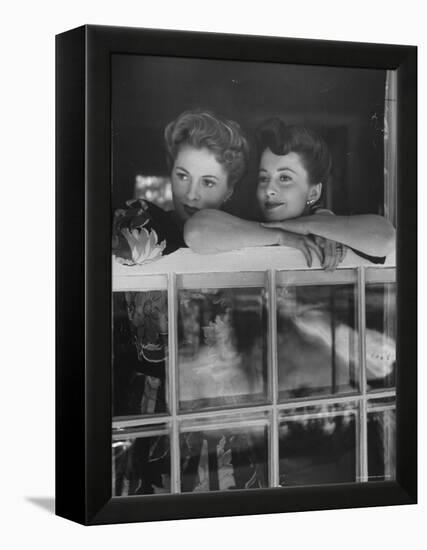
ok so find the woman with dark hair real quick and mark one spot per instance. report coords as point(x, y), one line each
point(294, 166)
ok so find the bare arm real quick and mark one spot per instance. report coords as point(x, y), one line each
point(368, 233)
point(211, 231)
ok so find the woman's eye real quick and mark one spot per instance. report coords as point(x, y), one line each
point(208, 183)
point(181, 176)
point(285, 178)
point(262, 180)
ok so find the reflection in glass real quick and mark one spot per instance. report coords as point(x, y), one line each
point(141, 465)
point(222, 459)
point(381, 441)
point(222, 347)
point(316, 340)
point(317, 445)
point(139, 352)
point(380, 335)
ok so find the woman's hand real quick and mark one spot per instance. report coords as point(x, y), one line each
point(330, 253)
point(306, 245)
point(333, 253)
point(367, 233)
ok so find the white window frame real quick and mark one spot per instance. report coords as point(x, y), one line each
point(176, 422)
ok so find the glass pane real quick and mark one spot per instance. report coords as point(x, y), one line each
point(141, 465)
point(222, 347)
point(224, 458)
point(381, 440)
point(317, 340)
point(318, 445)
point(380, 335)
point(139, 352)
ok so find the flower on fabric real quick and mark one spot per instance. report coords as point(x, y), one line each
point(143, 244)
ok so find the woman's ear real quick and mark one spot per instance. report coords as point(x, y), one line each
point(315, 192)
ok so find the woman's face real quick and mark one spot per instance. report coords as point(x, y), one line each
point(199, 181)
point(283, 186)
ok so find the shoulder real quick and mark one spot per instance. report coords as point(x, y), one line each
point(321, 210)
point(148, 221)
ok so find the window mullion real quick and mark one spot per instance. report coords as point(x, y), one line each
point(273, 372)
point(173, 383)
point(363, 431)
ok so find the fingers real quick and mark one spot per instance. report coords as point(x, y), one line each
point(336, 257)
point(309, 245)
point(306, 252)
point(341, 252)
point(330, 253)
point(328, 260)
point(314, 245)
point(321, 243)
point(333, 254)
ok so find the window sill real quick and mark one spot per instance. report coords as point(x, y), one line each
point(244, 260)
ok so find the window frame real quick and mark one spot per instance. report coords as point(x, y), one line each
point(269, 280)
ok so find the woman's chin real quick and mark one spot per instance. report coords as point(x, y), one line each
point(271, 216)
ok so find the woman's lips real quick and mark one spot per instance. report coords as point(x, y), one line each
point(190, 210)
point(273, 205)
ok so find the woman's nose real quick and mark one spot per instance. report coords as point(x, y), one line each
point(192, 191)
point(271, 191)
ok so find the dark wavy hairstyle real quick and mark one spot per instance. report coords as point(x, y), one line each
point(282, 140)
point(204, 129)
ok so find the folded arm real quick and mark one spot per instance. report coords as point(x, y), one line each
point(368, 233)
point(210, 231)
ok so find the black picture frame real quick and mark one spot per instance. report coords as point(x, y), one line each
point(83, 274)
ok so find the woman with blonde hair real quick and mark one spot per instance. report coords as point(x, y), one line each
point(207, 154)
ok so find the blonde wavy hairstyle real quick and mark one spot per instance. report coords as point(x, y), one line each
point(206, 130)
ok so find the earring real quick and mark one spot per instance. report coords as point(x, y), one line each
point(310, 202)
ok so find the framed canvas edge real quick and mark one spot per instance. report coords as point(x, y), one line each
point(80, 374)
point(70, 482)
point(261, 501)
point(406, 248)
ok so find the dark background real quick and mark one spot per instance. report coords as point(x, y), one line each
point(345, 104)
